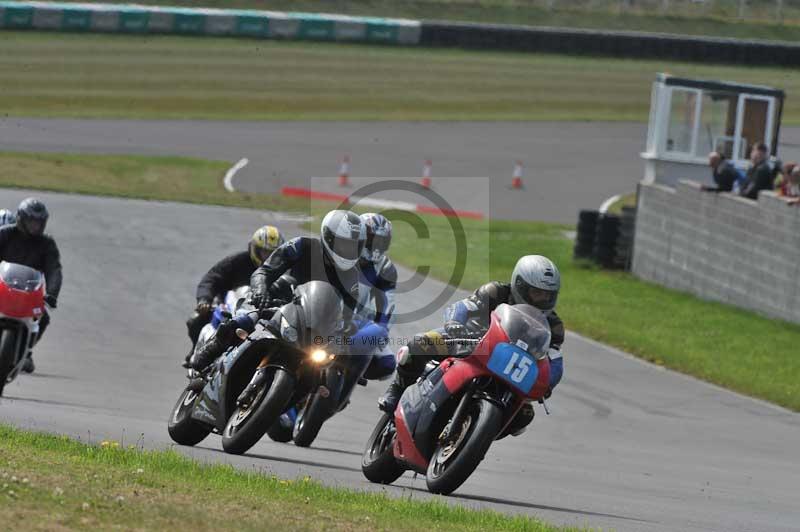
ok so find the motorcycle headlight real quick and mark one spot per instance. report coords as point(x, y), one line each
point(321, 357)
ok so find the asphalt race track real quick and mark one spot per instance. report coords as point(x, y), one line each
point(629, 446)
point(577, 165)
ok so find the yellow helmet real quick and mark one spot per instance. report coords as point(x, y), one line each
point(263, 242)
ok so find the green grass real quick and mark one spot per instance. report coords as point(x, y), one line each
point(69, 75)
point(55, 483)
point(709, 340)
point(683, 17)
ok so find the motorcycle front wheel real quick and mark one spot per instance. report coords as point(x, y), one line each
point(181, 427)
point(8, 343)
point(378, 463)
point(455, 460)
point(247, 425)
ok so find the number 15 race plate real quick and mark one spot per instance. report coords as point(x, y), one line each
point(514, 365)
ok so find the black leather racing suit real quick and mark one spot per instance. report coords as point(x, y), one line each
point(37, 252)
point(228, 274)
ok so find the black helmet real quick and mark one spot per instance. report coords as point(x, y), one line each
point(343, 237)
point(32, 217)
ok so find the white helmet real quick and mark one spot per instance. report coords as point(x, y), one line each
point(536, 281)
point(343, 237)
point(7, 217)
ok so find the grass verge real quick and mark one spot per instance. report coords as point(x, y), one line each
point(55, 483)
point(694, 18)
point(709, 340)
point(160, 77)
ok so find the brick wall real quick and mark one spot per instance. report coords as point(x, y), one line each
point(720, 247)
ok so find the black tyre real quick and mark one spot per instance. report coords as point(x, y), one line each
point(453, 463)
point(181, 427)
point(8, 343)
point(311, 418)
point(246, 426)
point(279, 432)
point(378, 463)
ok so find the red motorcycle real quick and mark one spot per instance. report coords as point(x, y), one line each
point(445, 423)
point(21, 307)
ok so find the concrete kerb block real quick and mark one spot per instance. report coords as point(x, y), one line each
point(349, 30)
point(282, 27)
point(160, 22)
point(47, 18)
point(105, 20)
point(220, 24)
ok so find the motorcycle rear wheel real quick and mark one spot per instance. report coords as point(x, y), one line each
point(378, 463)
point(246, 426)
point(181, 427)
point(452, 463)
point(8, 342)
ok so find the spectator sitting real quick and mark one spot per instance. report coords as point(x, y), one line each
point(723, 172)
point(760, 175)
point(790, 187)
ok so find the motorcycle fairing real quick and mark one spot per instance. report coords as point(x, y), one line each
point(420, 404)
point(213, 404)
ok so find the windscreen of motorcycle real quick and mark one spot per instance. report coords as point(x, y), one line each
point(20, 277)
point(526, 327)
point(319, 310)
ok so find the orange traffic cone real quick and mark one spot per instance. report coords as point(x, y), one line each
point(426, 174)
point(344, 171)
point(516, 179)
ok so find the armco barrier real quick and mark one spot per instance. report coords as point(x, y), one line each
point(124, 18)
point(129, 18)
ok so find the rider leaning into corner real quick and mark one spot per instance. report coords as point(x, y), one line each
point(24, 242)
point(377, 284)
point(230, 273)
point(332, 258)
point(535, 281)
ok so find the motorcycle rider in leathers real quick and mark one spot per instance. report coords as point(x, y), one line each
point(535, 281)
point(25, 242)
point(230, 273)
point(331, 258)
point(378, 280)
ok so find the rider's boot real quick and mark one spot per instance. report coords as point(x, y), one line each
point(29, 366)
point(207, 354)
point(402, 379)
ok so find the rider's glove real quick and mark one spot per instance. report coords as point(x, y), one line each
point(203, 307)
point(455, 329)
point(258, 298)
point(51, 301)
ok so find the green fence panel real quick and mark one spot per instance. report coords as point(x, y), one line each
point(316, 29)
point(76, 20)
point(381, 32)
point(20, 17)
point(252, 26)
point(134, 21)
point(192, 23)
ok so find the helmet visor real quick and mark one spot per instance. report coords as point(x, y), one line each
point(32, 227)
point(538, 297)
point(378, 243)
point(261, 253)
point(346, 248)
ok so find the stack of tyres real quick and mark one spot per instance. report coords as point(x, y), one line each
point(605, 241)
point(624, 248)
point(584, 239)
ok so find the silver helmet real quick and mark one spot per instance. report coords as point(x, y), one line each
point(536, 281)
point(343, 237)
point(7, 217)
